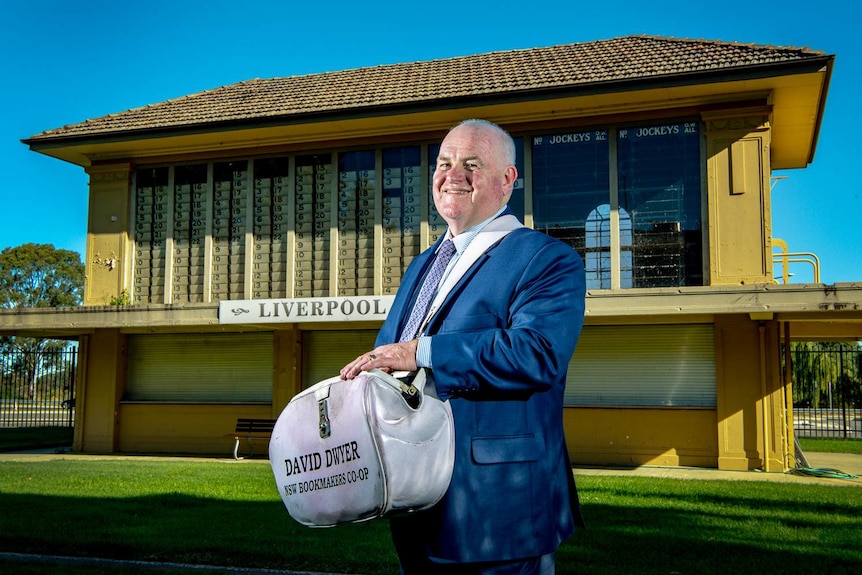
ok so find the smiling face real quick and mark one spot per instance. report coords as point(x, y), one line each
point(474, 178)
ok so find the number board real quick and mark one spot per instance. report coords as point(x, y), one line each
point(401, 213)
point(270, 214)
point(230, 206)
point(357, 190)
point(312, 220)
point(189, 233)
point(151, 220)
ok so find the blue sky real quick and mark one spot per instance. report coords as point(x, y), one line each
point(63, 62)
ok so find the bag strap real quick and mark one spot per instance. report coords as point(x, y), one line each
point(411, 384)
point(495, 231)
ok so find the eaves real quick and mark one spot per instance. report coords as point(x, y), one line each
point(695, 77)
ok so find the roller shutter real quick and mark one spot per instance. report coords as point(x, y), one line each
point(200, 367)
point(657, 365)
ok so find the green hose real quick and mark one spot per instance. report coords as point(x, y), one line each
point(826, 472)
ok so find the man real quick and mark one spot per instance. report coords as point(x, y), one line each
point(497, 346)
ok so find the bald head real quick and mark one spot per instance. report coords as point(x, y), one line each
point(504, 140)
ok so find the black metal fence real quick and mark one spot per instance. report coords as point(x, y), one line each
point(827, 390)
point(37, 388)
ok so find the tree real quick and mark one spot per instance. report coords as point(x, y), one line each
point(36, 275)
point(39, 275)
point(824, 371)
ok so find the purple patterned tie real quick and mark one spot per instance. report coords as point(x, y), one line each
point(429, 288)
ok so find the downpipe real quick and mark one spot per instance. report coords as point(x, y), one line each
point(761, 328)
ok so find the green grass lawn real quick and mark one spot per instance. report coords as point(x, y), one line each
point(228, 513)
point(831, 445)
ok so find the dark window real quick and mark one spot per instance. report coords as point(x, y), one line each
point(660, 188)
point(570, 183)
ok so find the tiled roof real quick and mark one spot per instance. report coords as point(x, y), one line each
point(625, 59)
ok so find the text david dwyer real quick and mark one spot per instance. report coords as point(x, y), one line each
point(315, 461)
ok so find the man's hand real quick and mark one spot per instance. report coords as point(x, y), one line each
point(388, 358)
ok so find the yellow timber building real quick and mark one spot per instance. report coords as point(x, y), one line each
point(245, 242)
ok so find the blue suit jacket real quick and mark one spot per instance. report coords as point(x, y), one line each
point(502, 341)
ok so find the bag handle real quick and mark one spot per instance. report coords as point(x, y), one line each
point(409, 383)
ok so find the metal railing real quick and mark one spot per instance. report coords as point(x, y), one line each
point(827, 392)
point(784, 258)
point(37, 389)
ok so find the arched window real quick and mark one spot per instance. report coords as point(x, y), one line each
point(653, 173)
point(597, 252)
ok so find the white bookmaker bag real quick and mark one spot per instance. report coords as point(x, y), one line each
point(350, 451)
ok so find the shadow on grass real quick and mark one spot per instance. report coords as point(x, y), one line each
point(184, 529)
point(692, 528)
point(22, 438)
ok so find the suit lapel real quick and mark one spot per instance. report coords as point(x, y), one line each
point(465, 268)
point(453, 294)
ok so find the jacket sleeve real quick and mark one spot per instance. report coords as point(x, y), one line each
point(514, 327)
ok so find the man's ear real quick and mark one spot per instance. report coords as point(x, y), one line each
point(509, 177)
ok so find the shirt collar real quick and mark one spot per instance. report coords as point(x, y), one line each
point(464, 239)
